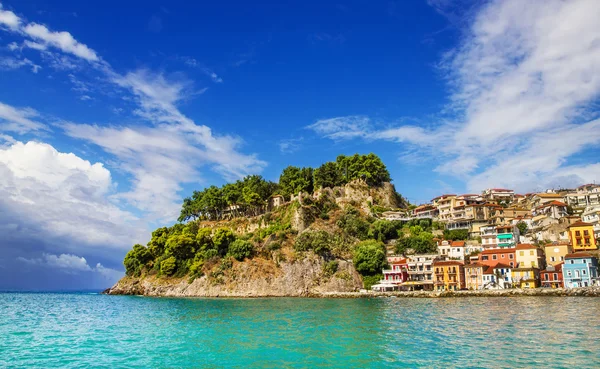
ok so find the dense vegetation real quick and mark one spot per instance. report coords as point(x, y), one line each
point(194, 247)
point(249, 196)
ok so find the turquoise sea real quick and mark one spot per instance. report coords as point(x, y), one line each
point(95, 331)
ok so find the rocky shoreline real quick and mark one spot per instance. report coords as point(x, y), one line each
point(141, 289)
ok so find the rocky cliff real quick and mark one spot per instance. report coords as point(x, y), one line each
point(253, 278)
point(276, 267)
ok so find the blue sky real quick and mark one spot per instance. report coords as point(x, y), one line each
point(111, 113)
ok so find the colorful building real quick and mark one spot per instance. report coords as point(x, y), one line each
point(420, 272)
point(526, 277)
point(398, 272)
point(448, 275)
point(555, 253)
point(529, 256)
point(492, 257)
point(474, 276)
point(452, 249)
point(552, 277)
point(582, 237)
point(580, 270)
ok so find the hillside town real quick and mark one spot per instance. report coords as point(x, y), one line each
point(547, 239)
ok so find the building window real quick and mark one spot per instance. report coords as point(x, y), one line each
point(583, 272)
point(571, 262)
point(552, 258)
point(569, 273)
point(494, 257)
point(522, 253)
point(586, 233)
point(510, 256)
point(577, 233)
point(587, 241)
point(502, 256)
point(555, 275)
point(562, 258)
point(531, 253)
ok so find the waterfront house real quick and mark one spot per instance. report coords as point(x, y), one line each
point(526, 277)
point(503, 273)
point(555, 252)
point(491, 257)
point(420, 272)
point(398, 272)
point(580, 270)
point(499, 236)
point(552, 277)
point(474, 276)
point(448, 275)
point(529, 256)
point(582, 237)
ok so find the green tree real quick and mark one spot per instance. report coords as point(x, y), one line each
point(293, 180)
point(383, 230)
point(522, 227)
point(222, 239)
point(241, 249)
point(353, 224)
point(168, 266)
point(456, 234)
point(136, 259)
point(370, 167)
point(369, 257)
point(158, 241)
point(181, 246)
point(328, 175)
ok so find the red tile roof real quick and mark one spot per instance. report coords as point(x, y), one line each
point(501, 265)
point(526, 246)
point(577, 255)
point(458, 243)
point(580, 224)
point(496, 251)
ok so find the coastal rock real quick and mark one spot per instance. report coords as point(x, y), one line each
point(254, 278)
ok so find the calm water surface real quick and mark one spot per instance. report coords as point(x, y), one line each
point(95, 331)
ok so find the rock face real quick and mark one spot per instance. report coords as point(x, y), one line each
point(253, 278)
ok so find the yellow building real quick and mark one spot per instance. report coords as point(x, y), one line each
point(555, 254)
point(448, 275)
point(581, 235)
point(529, 256)
point(526, 277)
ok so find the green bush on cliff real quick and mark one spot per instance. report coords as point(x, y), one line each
point(351, 223)
point(369, 257)
point(168, 266)
point(136, 259)
point(240, 249)
point(383, 230)
point(317, 241)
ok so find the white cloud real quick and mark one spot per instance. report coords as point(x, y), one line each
point(60, 40)
point(9, 19)
point(339, 128)
point(61, 200)
point(19, 120)
point(68, 262)
point(290, 145)
point(524, 80)
point(8, 63)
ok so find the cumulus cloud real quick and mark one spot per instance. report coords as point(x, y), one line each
point(523, 82)
point(9, 19)
point(61, 201)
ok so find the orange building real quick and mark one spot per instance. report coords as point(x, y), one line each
point(448, 275)
point(581, 235)
point(491, 257)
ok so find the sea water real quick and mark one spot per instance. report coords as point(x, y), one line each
point(96, 331)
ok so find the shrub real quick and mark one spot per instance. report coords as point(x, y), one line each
point(383, 230)
point(369, 257)
point(330, 268)
point(167, 266)
point(370, 280)
point(318, 241)
point(240, 249)
point(352, 224)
